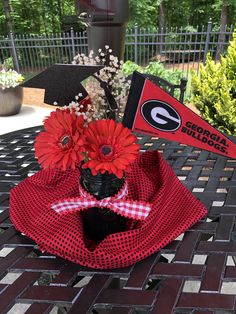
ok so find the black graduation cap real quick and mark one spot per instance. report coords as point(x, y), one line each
point(62, 82)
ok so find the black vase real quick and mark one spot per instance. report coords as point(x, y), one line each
point(100, 222)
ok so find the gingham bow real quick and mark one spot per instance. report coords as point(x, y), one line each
point(131, 209)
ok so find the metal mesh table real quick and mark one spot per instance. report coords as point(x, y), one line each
point(194, 274)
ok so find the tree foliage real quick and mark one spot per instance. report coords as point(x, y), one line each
point(37, 16)
point(193, 13)
point(143, 13)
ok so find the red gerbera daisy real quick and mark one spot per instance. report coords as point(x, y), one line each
point(62, 143)
point(111, 147)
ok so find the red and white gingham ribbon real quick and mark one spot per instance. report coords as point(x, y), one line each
point(128, 208)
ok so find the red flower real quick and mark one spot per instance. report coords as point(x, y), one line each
point(62, 143)
point(111, 147)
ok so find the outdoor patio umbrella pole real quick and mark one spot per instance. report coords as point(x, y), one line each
point(106, 23)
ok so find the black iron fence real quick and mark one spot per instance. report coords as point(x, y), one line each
point(176, 48)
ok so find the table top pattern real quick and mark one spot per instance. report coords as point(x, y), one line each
point(194, 274)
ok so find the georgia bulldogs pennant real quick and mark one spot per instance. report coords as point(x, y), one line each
point(151, 110)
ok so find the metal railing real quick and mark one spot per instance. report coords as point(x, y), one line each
point(176, 48)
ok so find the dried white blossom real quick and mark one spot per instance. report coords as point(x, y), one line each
point(91, 53)
point(113, 75)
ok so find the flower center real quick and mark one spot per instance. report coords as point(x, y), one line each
point(65, 141)
point(106, 150)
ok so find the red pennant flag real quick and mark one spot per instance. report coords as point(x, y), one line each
point(151, 110)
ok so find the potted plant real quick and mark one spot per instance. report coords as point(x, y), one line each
point(11, 93)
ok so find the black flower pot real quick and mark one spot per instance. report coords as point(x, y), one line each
point(100, 222)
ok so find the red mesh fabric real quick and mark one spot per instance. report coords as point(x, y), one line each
point(151, 180)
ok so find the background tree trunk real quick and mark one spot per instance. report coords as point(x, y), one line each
point(7, 12)
point(223, 23)
point(161, 16)
point(161, 24)
point(60, 12)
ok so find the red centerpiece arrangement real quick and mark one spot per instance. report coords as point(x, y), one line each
point(99, 201)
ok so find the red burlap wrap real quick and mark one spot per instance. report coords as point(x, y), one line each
point(151, 180)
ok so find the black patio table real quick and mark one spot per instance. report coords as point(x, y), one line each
point(194, 274)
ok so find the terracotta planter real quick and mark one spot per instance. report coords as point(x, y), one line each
point(10, 100)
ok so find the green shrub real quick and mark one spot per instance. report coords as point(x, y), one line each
point(129, 67)
point(153, 68)
point(8, 64)
point(157, 69)
point(214, 90)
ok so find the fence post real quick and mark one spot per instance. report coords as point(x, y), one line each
point(136, 43)
point(161, 32)
point(14, 52)
point(72, 34)
point(209, 29)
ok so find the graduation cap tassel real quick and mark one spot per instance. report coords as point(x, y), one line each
point(113, 107)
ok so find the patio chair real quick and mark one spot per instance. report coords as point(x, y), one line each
point(167, 86)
